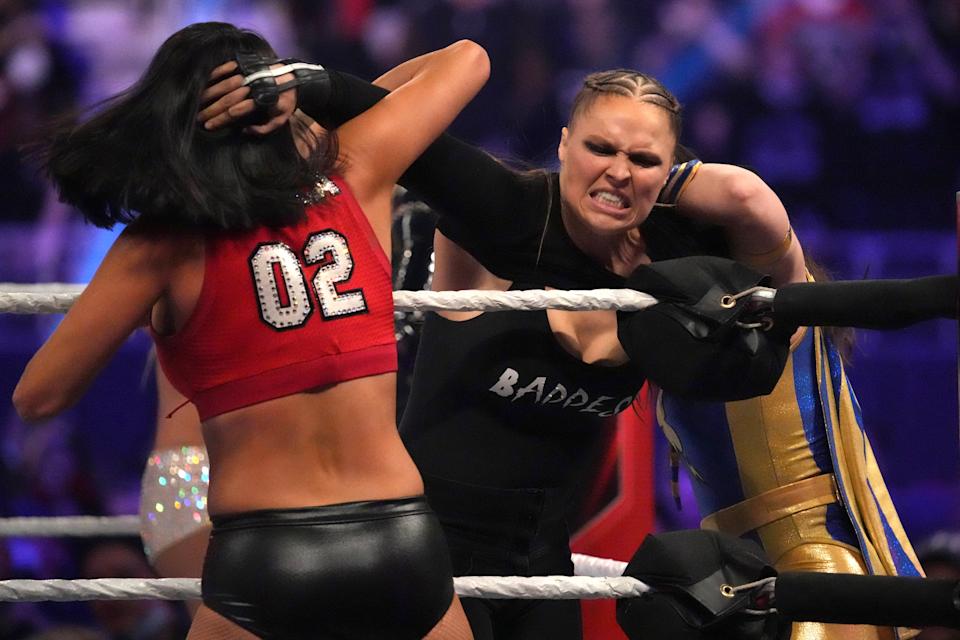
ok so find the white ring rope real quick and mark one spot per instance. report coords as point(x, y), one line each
point(41, 287)
point(497, 587)
point(52, 298)
point(548, 587)
point(530, 300)
point(584, 565)
point(99, 589)
point(89, 526)
point(70, 526)
point(598, 577)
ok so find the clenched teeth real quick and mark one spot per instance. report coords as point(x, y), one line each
point(610, 198)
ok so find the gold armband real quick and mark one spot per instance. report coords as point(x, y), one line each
point(767, 258)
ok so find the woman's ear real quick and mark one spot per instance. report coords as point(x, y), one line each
point(562, 147)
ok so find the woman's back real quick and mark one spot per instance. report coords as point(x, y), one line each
point(273, 313)
point(331, 445)
point(287, 350)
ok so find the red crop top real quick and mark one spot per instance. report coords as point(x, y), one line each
point(287, 309)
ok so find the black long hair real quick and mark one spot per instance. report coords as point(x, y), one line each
point(143, 154)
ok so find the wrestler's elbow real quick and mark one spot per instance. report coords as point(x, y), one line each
point(29, 405)
point(474, 59)
point(35, 402)
point(751, 196)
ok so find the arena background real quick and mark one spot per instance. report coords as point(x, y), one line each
point(848, 108)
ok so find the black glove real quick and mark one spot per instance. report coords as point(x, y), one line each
point(311, 80)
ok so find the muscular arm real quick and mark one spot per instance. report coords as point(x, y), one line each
point(382, 142)
point(402, 72)
point(455, 178)
point(131, 278)
point(754, 219)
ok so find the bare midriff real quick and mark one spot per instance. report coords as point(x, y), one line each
point(325, 446)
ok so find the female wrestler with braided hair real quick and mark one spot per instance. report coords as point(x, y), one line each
point(805, 431)
point(497, 441)
point(259, 265)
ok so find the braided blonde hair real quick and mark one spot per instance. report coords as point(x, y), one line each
point(631, 84)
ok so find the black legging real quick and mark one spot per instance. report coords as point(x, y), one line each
point(508, 532)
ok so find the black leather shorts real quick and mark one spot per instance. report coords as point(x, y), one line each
point(358, 570)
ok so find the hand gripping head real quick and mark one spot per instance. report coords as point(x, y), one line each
point(260, 73)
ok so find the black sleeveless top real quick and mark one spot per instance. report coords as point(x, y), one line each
point(497, 401)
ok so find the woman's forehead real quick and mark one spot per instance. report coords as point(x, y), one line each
point(625, 120)
point(615, 110)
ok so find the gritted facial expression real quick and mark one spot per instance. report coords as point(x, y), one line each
point(614, 159)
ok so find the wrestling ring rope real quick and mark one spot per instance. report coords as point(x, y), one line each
point(70, 526)
point(595, 577)
point(54, 298)
point(92, 526)
point(500, 587)
point(837, 598)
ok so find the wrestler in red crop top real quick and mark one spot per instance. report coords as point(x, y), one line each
point(286, 309)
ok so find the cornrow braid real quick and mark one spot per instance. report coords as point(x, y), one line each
point(630, 84)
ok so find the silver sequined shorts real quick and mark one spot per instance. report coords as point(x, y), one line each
point(173, 497)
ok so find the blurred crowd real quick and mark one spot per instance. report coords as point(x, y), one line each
point(848, 108)
point(844, 106)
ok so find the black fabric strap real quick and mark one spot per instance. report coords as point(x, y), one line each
point(867, 304)
point(452, 176)
point(338, 99)
point(877, 600)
